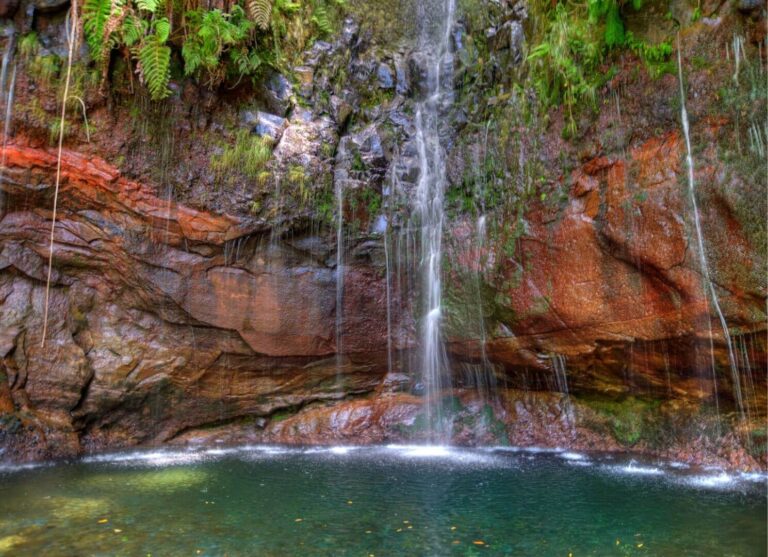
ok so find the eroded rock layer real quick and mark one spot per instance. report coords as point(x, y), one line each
point(201, 308)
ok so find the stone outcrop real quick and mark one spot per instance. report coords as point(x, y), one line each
point(184, 316)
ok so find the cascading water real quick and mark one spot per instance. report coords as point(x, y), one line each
point(708, 284)
point(339, 194)
point(7, 102)
point(436, 23)
point(560, 369)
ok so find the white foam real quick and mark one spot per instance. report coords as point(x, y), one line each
point(341, 450)
point(633, 469)
point(714, 481)
point(152, 458)
point(678, 465)
point(422, 451)
point(11, 468)
point(573, 456)
point(754, 476)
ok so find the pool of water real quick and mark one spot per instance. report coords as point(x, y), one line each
point(273, 501)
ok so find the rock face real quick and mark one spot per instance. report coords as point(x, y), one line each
point(181, 318)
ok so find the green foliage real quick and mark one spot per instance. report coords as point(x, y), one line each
point(568, 62)
point(246, 157)
point(44, 69)
point(155, 60)
point(656, 57)
point(96, 13)
point(322, 20)
point(565, 63)
point(212, 35)
point(216, 45)
point(29, 45)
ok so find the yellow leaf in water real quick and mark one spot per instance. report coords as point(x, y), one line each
point(478, 542)
point(103, 520)
point(368, 531)
point(410, 527)
point(640, 545)
point(618, 541)
point(570, 554)
point(298, 520)
point(406, 521)
point(453, 528)
point(117, 530)
point(399, 530)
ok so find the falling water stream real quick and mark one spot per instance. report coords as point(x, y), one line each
point(339, 193)
point(7, 102)
point(708, 284)
point(436, 17)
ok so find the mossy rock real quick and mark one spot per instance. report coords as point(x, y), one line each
point(629, 420)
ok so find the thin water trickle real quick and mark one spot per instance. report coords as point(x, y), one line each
point(708, 284)
point(7, 102)
point(339, 276)
point(560, 369)
point(436, 18)
point(389, 299)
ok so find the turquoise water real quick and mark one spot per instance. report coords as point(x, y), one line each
point(271, 501)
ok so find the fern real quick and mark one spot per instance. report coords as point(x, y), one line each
point(322, 19)
point(133, 30)
point(614, 27)
point(212, 34)
point(260, 12)
point(96, 13)
point(148, 5)
point(155, 60)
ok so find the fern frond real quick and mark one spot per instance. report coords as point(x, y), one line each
point(155, 60)
point(260, 12)
point(133, 29)
point(147, 5)
point(322, 19)
point(162, 29)
point(96, 13)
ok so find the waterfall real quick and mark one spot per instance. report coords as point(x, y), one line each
point(560, 369)
point(708, 284)
point(436, 18)
point(7, 101)
point(339, 276)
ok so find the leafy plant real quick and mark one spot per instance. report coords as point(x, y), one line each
point(565, 63)
point(215, 44)
point(96, 13)
point(155, 59)
point(29, 45)
point(246, 157)
point(260, 12)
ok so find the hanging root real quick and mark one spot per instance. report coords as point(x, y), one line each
point(72, 38)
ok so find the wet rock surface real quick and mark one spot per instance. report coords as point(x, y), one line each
point(192, 316)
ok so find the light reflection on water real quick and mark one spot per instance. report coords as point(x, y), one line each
point(394, 500)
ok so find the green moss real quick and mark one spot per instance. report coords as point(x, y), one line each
point(628, 418)
point(282, 415)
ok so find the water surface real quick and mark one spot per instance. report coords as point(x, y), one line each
point(272, 501)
